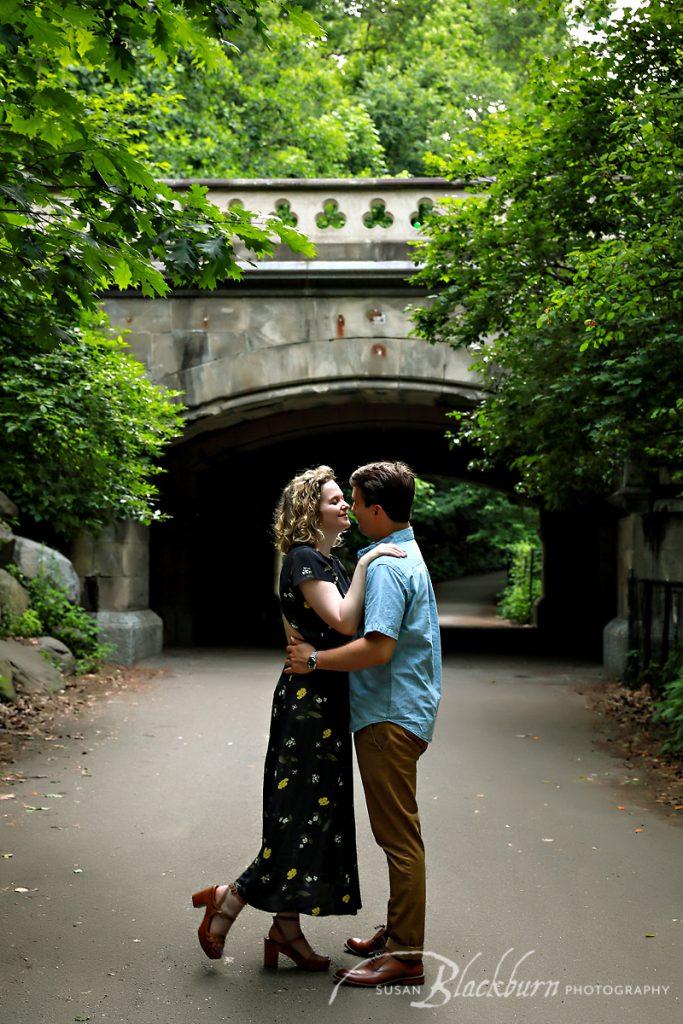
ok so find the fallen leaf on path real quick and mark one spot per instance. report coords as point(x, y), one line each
point(8, 796)
point(55, 796)
point(7, 856)
point(545, 840)
point(649, 935)
point(620, 807)
point(21, 888)
point(78, 871)
point(30, 807)
point(641, 829)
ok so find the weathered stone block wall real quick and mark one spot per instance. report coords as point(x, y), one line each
point(650, 542)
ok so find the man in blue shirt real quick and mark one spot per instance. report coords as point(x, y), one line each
point(395, 687)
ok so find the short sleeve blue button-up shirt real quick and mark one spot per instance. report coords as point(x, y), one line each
point(400, 603)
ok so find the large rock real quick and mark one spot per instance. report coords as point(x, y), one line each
point(29, 668)
point(6, 544)
point(13, 597)
point(7, 691)
point(7, 507)
point(59, 651)
point(34, 559)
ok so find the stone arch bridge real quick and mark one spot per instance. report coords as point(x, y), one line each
point(300, 362)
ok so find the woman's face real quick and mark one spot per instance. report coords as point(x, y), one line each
point(333, 509)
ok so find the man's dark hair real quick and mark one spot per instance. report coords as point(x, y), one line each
point(389, 484)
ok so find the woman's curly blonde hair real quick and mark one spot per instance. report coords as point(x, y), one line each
point(298, 511)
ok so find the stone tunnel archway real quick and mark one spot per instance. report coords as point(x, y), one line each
point(213, 565)
point(298, 363)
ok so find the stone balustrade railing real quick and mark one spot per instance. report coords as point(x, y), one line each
point(337, 211)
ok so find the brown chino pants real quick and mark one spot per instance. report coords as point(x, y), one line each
point(387, 759)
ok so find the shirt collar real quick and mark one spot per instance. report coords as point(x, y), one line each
point(397, 537)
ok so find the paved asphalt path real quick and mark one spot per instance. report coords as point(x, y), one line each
point(471, 600)
point(161, 794)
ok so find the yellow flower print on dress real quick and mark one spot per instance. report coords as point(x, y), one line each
point(301, 693)
point(346, 898)
point(327, 734)
point(323, 801)
point(282, 783)
point(316, 910)
point(291, 873)
point(266, 853)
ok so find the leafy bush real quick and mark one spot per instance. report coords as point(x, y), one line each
point(57, 617)
point(669, 710)
point(524, 583)
point(26, 624)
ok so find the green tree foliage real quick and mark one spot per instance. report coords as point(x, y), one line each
point(83, 426)
point(562, 272)
point(385, 83)
point(280, 111)
point(79, 212)
point(426, 72)
point(462, 528)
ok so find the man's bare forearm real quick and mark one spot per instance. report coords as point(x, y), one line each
point(359, 654)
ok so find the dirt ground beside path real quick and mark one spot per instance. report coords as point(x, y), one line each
point(624, 729)
point(54, 716)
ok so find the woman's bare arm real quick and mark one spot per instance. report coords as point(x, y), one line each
point(344, 613)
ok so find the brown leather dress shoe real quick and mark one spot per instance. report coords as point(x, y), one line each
point(382, 969)
point(368, 947)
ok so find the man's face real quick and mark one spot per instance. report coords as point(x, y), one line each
point(366, 519)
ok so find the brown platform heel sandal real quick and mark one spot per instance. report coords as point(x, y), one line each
point(213, 944)
point(278, 943)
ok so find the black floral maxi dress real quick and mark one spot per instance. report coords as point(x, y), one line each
point(307, 861)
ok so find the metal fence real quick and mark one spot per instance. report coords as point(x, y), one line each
point(655, 615)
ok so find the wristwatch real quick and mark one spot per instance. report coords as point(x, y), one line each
point(312, 661)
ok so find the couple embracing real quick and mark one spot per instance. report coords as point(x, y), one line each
point(384, 688)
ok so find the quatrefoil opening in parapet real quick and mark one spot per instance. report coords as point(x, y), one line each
point(424, 208)
point(331, 216)
point(378, 216)
point(283, 210)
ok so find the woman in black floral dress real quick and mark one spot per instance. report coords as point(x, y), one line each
point(307, 860)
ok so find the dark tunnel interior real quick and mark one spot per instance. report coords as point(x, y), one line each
point(213, 565)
